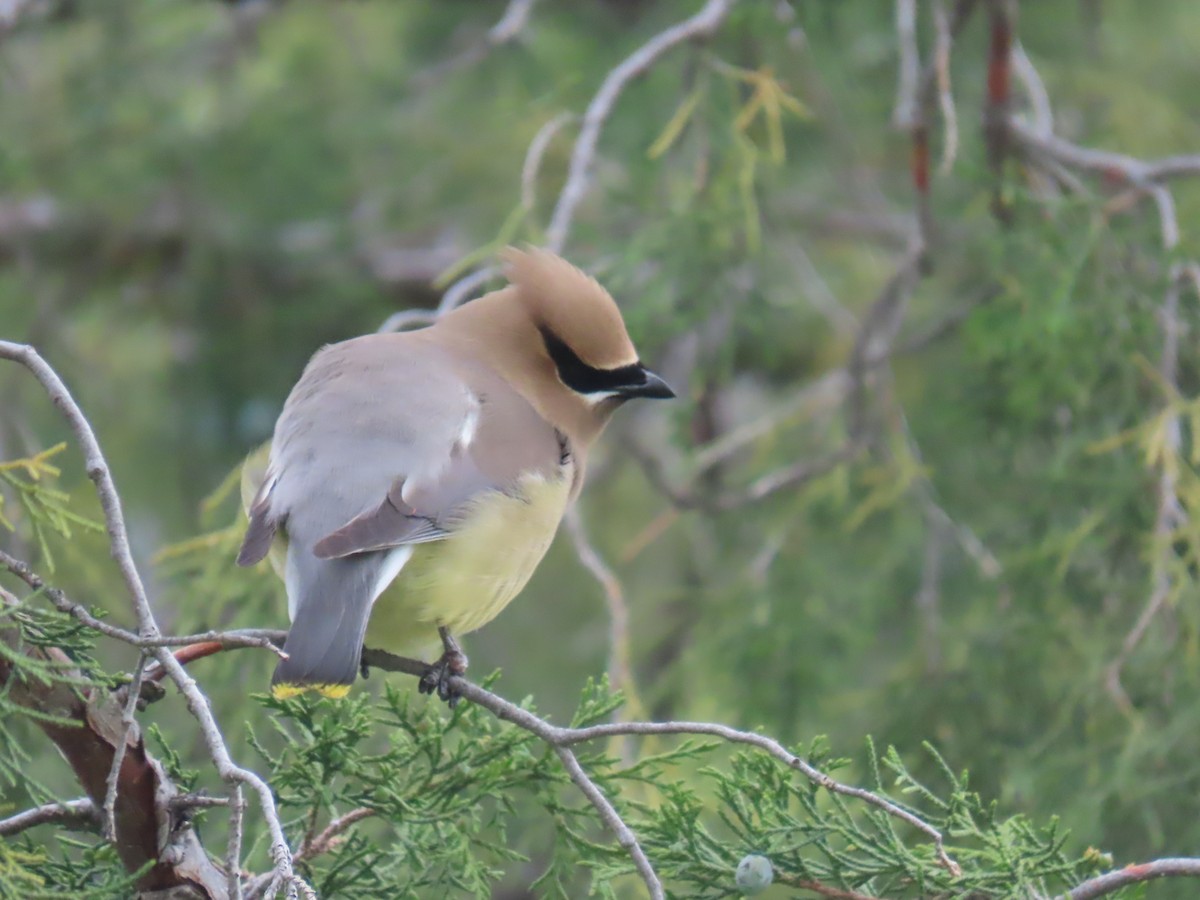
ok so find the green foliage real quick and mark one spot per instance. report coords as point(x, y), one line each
point(87, 870)
point(444, 791)
point(228, 190)
point(46, 508)
point(25, 626)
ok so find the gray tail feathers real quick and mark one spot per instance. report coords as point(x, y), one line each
point(332, 603)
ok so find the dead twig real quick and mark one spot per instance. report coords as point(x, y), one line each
point(80, 814)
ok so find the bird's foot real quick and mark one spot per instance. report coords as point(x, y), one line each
point(438, 677)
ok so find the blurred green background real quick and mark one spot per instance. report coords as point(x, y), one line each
point(195, 196)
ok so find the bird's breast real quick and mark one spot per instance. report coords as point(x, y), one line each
point(465, 580)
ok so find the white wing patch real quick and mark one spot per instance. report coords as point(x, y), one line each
point(291, 583)
point(470, 423)
point(392, 564)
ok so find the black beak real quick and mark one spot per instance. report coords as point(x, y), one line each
point(652, 387)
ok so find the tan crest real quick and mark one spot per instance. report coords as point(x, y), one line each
point(572, 305)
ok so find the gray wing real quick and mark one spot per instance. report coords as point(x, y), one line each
point(383, 441)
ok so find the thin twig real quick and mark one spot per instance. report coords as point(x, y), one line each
point(904, 113)
point(1170, 512)
point(821, 296)
point(1178, 867)
point(70, 814)
point(407, 318)
point(1130, 168)
point(324, 840)
point(702, 25)
point(1041, 114)
point(507, 29)
point(561, 738)
point(535, 154)
point(458, 292)
point(619, 668)
point(233, 847)
point(609, 815)
point(941, 63)
point(789, 477)
point(184, 802)
point(244, 637)
point(821, 889)
point(108, 811)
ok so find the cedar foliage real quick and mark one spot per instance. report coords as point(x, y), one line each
point(196, 196)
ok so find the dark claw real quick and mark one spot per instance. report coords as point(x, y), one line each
point(364, 669)
point(439, 675)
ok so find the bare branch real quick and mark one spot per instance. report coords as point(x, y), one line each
point(620, 670)
point(904, 114)
point(1042, 116)
point(941, 64)
point(184, 802)
point(507, 29)
point(458, 292)
point(1135, 171)
point(821, 889)
point(233, 847)
point(407, 318)
point(702, 25)
point(612, 819)
point(325, 839)
point(821, 296)
point(79, 814)
point(516, 14)
point(85, 727)
point(791, 476)
point(534, 155)
point(242, 637)
point(108, 815)
point(1179, 867)
point(563, 738)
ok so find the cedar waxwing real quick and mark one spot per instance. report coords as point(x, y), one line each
point(429, 470)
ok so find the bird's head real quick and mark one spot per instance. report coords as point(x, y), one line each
point(583, 337)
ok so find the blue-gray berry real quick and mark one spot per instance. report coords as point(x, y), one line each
point(754, 875)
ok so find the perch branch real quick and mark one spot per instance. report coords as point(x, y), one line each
point(561, 738)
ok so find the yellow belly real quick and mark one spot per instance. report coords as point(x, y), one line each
point(461, 582)
point(464, 581)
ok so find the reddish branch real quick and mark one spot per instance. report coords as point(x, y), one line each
point(999, 79)
point(327, 839)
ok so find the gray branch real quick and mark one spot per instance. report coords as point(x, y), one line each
point(72, 814)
